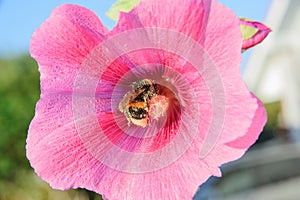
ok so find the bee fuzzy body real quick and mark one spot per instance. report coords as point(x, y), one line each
point(135, 104)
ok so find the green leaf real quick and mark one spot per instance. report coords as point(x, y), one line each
point(121, 5)
point(248, 31)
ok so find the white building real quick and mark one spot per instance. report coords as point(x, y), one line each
point(273, 70)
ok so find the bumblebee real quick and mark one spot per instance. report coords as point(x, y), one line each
point(135, 104)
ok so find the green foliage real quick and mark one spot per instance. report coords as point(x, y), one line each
point(273, 110)
point(19, 91)
point(248, 31)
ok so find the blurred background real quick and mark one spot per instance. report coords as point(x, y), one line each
point(269, 170)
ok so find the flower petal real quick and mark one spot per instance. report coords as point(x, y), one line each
point(190, 17)
point(66, 37)
point(63, 168)
point(82, 17)
point(178, 181)
point(223, 38)
point(57, 79)
point(258, 122)
point(253, 33)
point(52, 112)
point(233, 150)
point(56, 151)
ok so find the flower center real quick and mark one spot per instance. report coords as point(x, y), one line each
point(147, 101)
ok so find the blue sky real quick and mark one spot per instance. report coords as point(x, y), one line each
point(19, 19)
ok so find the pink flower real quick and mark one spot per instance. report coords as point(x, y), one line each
point(149, 110)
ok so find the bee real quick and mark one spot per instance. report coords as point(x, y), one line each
point(135, 104)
